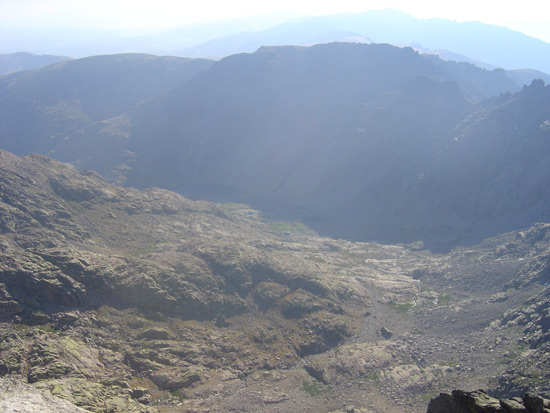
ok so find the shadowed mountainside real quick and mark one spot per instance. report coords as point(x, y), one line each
point(349, 135)
point(367, 142)
point(71, 110)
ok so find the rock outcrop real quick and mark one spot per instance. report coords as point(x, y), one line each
point(480, 402)
point(16, 396)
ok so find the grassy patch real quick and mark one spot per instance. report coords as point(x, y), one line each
point(281, 227)
point(316, 259)
point(311, 388)
point(148, 247)
point(21, 327)
point(47, 328)
point(448, 363)
point(400, 307)
point(231, 206)
point(178, 394)
point(444, 299)
point(514, 353)
point(372, 376)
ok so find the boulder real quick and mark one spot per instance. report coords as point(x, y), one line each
point(173, 379)
point(480, 402)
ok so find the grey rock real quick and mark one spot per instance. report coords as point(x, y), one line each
point(16, 396)
point(480, 402)
point(176, 378)
point(386, 333)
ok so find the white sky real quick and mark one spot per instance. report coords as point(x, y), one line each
point(528, 16)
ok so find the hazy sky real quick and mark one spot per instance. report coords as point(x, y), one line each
point(529, 16)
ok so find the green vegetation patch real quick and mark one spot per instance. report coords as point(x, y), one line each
point(444, 299)
point(400, 307)
point(311, 388)
point(178, 394)
point(372, 376)
point(281, 227)
point(232, 206)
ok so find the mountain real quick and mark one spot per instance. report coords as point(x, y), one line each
point(522, 77)
point(15, 62)
point(299, 32)
point(348, 138)
point(473, 41)
point(526, 76)
point(498, 46)
point(56, 109)
point(493, 170)
point(82, 42)
point(340, 134)
point(117, 299)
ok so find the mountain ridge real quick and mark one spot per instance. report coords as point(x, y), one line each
point(248, 34)
point(484, 42)
point(16, 62)
point(316, 134)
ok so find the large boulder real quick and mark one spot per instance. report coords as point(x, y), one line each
point(480, 402)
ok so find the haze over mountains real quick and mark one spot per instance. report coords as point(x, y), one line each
point(475, 41)
point(495, 45)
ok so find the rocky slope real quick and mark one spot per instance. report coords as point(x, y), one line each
point(116, 299)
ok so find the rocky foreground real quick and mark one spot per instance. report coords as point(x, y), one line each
point(478, 401)
point(115, 299)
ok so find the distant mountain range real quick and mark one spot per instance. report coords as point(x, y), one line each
point(498, 46)
point(370, 142)
point(16, 62)
point(474, 41)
